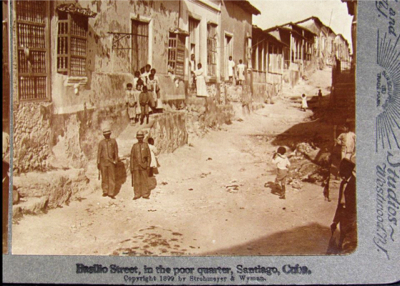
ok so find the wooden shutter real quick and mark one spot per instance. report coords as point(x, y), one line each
point(140, 44)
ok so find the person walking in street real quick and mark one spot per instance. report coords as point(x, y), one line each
point(304, 104)
point(231, 69)
point(107, 158)
point(241, 69)
point(345, 215)
point(200, 81)
point(282, 165)
point(140, 167)
point(347, 140)
point(144, 100)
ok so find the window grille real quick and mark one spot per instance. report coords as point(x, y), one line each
point(72, 44)
point(211, 49)
point(32, 49)
point(176, 54)
point(140, 44)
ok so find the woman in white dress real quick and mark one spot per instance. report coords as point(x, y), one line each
point(200, 81)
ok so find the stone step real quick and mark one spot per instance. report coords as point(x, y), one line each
point(32, 205)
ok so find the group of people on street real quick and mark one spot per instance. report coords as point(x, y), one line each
point(143, 94)
point(237, 74)
point(143, 164)
point(304, 102)
point(345, 215)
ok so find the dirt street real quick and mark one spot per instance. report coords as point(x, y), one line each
point(210, 199)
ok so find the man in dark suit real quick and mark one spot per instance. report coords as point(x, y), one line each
point(107, 158)
point(140, 167)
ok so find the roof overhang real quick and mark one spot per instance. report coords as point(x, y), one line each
point(247, 6)
point(77, 10)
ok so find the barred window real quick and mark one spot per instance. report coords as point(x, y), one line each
point(211, 49)
point(31, 21)
point(176, 54)
point(72, 44)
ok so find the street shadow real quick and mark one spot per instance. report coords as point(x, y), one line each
point(311, 239)
point(310, 131)
point(120, 176)
point(275, 189)
point(152, 182)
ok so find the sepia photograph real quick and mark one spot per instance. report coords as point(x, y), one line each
point(179, 127)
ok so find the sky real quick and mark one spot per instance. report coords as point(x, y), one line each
point(328, 11)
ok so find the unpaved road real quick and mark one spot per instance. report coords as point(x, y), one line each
point(192, 210)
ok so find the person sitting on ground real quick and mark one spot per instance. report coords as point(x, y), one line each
point(282, 165)
point(144, 100)
point(154, 161)
point(304, 104)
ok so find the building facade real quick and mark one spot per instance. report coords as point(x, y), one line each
point(73, 59)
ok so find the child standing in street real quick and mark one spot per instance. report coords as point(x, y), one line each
point(154, 91)
point(282, 165)
point(131, 103)
point(144, 105)
point(304, 104)
point(154, 162)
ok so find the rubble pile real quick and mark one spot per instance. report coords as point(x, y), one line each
point(42, 191)
point(308, 164)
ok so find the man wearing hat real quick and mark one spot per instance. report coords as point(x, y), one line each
point(107, 157)
point(140, 167)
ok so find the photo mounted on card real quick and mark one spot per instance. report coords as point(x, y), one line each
point(201, 141)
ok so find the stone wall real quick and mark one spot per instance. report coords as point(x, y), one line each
point(169, 131)
point(45, 141)
point(32, 136)
point(75, 135)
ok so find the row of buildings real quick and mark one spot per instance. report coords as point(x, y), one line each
point(71, 56)
point(64, 48)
